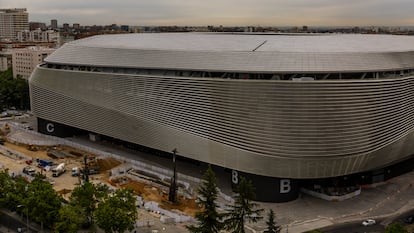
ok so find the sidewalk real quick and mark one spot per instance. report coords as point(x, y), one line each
point(387, 200)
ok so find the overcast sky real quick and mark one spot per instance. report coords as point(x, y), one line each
point(221, 12)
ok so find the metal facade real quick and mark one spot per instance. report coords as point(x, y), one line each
point(307, 129)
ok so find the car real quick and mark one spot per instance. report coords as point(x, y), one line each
point(368, 222)
point(409, 219)
point(29, 171)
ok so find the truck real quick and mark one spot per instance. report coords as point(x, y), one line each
point(44, 163)
point(76, 171)
point(59, 170)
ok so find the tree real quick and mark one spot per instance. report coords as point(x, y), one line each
point(243, 209)
point(16, 192)
point(117, 213)
point(395, 228)
point(271, 223)
point(13, 91)
point(71, 217)
point(209, 220)
point(6, 184)
point(42, 202)
point(86, 197)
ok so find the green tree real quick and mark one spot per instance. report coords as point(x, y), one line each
point(16, 192)
point(271, 223)
point(395, 228)
point(71, 217)
point(42, 202)
point(86, 197)
point(117, 213)
point(209, 220)
point(13, 91)
point(243, 209)
point(6, 187)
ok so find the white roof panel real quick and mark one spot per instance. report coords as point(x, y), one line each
point(242, 52)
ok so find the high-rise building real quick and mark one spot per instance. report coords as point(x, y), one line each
point(66, 27)
point(12, 21)
point(76, 26)
point(37, 25)
point(53, 24)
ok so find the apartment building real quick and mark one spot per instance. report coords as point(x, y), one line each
point(25, 60)
point(12, 21)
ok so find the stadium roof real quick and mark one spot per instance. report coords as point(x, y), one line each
point(269, 53)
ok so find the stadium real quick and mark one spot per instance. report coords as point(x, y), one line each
point(284, 110)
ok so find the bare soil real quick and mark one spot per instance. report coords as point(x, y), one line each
point(156, 194)
point(65, 183)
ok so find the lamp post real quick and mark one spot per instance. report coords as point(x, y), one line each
point(172, 195)
point(27, 216)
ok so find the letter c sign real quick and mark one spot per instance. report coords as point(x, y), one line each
point(50, 127)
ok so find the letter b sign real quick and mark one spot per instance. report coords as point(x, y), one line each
point(234, 177)
point(285, 186)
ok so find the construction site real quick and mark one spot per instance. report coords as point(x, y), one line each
point(66, 167)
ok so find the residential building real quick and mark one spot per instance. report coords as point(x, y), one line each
point(12, 21)
point(54, 24)
point(38, 36)
point(25, 60)
point(5, 60)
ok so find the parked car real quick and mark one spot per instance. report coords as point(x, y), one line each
point(368, 222)
point(29, 171)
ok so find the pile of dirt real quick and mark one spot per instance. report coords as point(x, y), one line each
point(39, 153)
point(64, 191)
point(156, 194)
point(188, 206)
point(107, 164)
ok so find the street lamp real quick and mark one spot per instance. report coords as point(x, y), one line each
point(27, 216)
point(173, 186)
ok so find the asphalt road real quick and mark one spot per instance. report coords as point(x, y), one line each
point(10, 222)
point(355, 227)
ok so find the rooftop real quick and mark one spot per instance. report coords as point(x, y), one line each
point(323, 43)
point(252, 53)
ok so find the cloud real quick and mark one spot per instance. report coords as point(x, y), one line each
point(225, 12)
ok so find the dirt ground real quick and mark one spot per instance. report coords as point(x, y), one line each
point(65, 183)
point(160, 195)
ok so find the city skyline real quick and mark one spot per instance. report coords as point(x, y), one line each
point(227, 13)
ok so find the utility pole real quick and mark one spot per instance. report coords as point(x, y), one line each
point(172, 195)
point(86, 170)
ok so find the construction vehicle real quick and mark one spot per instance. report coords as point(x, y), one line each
point(31, 147)
point(59, 170)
